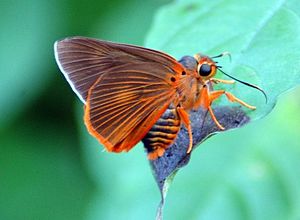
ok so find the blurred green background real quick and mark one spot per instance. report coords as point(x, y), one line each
point(50, 168)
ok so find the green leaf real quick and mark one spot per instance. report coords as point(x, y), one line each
point(262, 36)
point(264, 45)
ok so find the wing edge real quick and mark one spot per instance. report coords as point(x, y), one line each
point(65, 73)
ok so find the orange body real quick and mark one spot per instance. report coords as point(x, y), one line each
point(126, 89)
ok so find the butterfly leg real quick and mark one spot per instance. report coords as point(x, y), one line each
point(216, 81)
point(207, 98)
point(184, 116)
point(229, 96)
point(232, 98)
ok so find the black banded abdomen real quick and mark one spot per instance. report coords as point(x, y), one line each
point(163, 133)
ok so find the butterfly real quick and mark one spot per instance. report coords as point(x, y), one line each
point(126, 89)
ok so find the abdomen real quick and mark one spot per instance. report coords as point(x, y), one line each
point(163, 133)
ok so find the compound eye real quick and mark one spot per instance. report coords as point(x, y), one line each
point(205, 70)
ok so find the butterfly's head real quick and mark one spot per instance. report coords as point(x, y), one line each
point(206, 67)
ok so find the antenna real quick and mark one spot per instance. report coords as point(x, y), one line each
point(245, 83)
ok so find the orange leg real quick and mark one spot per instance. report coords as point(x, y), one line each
point(214, 118)
point(216, 81)
point(207, 98)
point(184, 116)
point(232, 98)
point(211, 97)
point(216, 94)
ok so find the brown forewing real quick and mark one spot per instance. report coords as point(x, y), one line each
point(83, 60)
point(126, 88)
